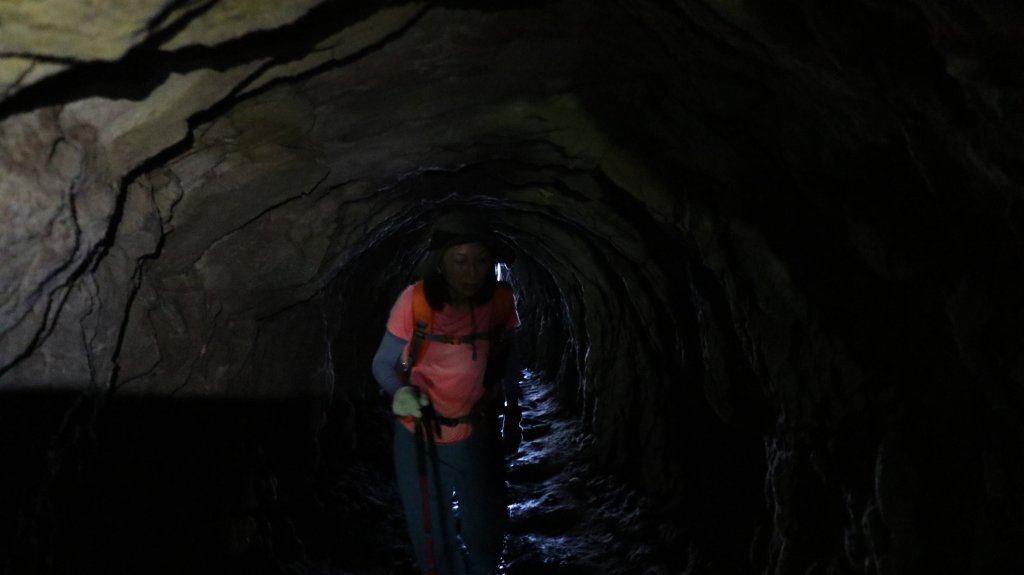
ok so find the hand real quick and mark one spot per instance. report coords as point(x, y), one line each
point(409, 401)
point(511, 433)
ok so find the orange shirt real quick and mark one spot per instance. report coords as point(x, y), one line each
point(447, 373)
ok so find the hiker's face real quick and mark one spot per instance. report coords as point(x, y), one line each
point(466, 268)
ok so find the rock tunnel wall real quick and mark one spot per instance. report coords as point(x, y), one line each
point(771, 253)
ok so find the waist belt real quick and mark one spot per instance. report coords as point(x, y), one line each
point(457, 339)
point(471, 417)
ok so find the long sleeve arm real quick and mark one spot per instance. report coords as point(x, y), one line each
point(386, 362)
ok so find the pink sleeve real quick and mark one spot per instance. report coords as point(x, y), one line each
point(400, 321)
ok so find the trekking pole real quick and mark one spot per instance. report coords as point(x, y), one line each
point(425, 435)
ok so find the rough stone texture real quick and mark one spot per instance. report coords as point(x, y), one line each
point(71, 30)
point(771, 253)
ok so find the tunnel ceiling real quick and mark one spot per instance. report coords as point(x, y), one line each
point(178, 174)
point(189, 185)
point(209, 149)
point(180, 178)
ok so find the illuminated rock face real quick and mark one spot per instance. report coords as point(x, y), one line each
point(771, 255)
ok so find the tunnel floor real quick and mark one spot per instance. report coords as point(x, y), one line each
point(130, 486)
point(568, 516)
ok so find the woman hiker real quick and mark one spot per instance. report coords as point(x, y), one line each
point(448, 360)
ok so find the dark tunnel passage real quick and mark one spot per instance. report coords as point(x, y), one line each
point(304, 484)
point(769, 266)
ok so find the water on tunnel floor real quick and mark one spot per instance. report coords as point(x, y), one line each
point(568, 516)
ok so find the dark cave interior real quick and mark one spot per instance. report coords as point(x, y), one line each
point(770, 266)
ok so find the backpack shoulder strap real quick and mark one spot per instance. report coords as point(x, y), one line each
point(422, 316)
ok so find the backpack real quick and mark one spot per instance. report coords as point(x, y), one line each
point(423, 315)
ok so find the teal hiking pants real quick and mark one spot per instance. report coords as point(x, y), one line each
point(468, 475)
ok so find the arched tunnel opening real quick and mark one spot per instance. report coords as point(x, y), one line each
point(768, 266)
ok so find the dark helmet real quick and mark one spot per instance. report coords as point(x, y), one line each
point(458, 228)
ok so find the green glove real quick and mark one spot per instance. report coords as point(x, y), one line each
point(408, 400)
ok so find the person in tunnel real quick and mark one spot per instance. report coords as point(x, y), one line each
point(448, 360)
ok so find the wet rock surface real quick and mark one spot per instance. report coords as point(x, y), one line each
point(771, 255)
point(568, 516)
